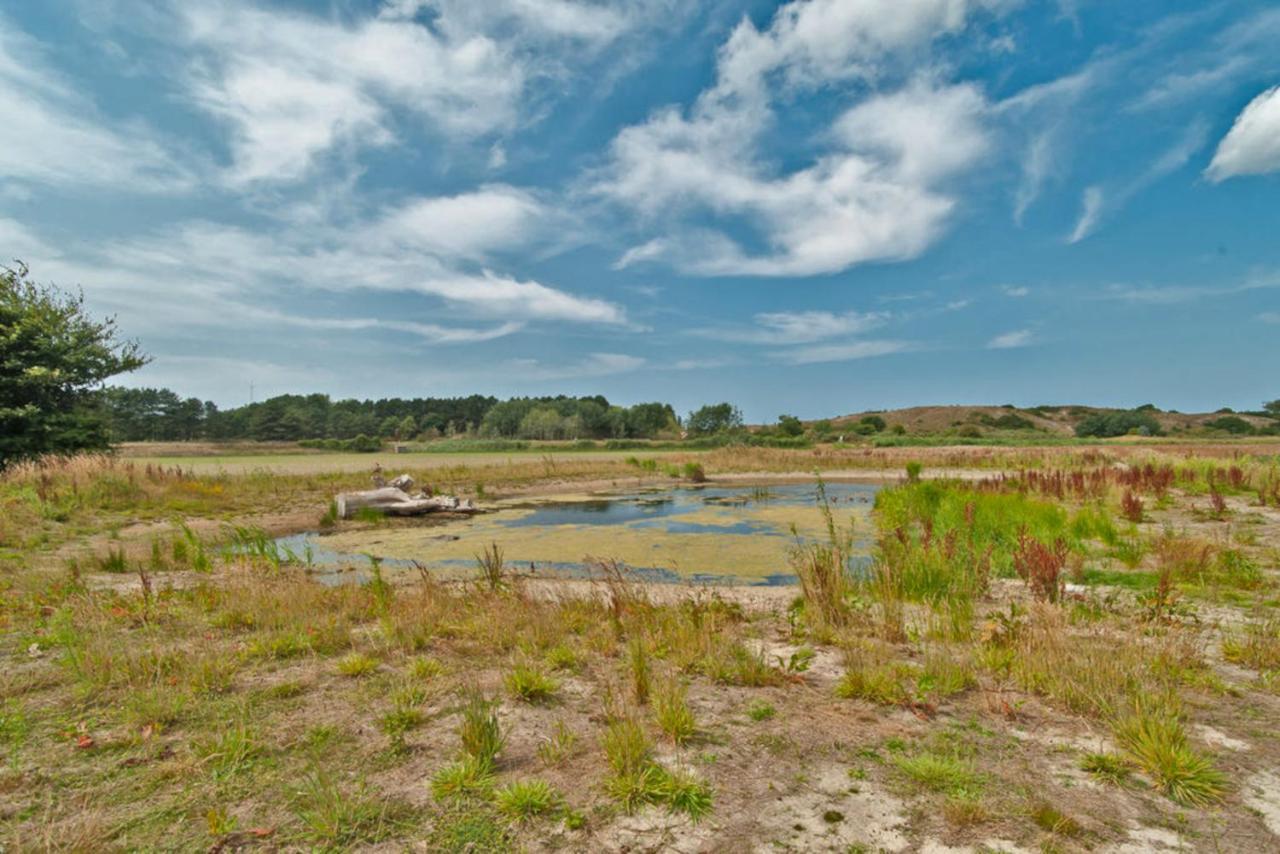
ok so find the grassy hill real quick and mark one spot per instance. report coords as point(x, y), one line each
point(1055, 420)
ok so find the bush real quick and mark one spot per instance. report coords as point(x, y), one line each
point(1233, 424)
point(1103, 425)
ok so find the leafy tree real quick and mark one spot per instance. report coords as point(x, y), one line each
point(789, 425)
point(1272, 408)
point(408, 428)
point(714, 418)
point(875, 422)
point(54, 358)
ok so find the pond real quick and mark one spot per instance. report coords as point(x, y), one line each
point(708, 534)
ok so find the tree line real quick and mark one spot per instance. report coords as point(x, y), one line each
point(150, 414)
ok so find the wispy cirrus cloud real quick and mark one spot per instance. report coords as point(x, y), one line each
point(843, 352)
point(798, 327)
point(1095, 202)
point(590, 365)
point(1011, 340)
point(52, 134)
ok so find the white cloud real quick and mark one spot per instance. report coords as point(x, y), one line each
point(210, 275)
point(51, 134)
point(1270, 317)
point(1252, 146)
point(875, 194)
point(294, 86)
point(799, 327)
point(1096, 203)
point(1090, 213)
point(468, 225)
point(842, 352)
point(1010, 340)
point(1016, 292)
point(592, 365)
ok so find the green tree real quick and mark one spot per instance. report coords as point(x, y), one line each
point(789, 425)
point(54, 358)
point(714, 418)
point(1272, 408)
point(408, 428)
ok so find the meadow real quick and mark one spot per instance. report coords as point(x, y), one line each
point(1064, 648)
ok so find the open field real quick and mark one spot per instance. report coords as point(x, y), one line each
point(1059, 649)
point(320, 463)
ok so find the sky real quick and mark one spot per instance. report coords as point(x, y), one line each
point(813, 207)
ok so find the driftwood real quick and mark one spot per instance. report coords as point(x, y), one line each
point(396, 502)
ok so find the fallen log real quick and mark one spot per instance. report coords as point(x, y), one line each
point(391, 501)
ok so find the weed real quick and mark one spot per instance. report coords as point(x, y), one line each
point(397, 723)
point(1107, 767)
point(1131, 507)
point(525, 799)
point(425, 669)
point(638, 667)
point(467, 778)
point(672, 712)
point(1153, 737)
point(357, 665)
point(759, 710)
point(683, 792)
point(822, 568)
point(113, 561)
point(944, 773)
point(1040, 566)
point(467, 826)
point(479, 730)
point(1053, 820)
point(492, 567)
point(1257, 645)
point(341, 816)
point(694, 473)
point(527, 682)
point(562, 657)
point(559, 746)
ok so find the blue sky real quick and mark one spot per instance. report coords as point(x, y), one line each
point(813, 207)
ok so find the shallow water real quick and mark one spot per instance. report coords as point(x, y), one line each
point(707, 534)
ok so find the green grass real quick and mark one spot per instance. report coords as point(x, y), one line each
point(1107, 767)
point(672, 713)
point(479, 731)
point(1156, 742)
point(947, 774)
point(357, 665)
point(1129, 580)
point(760, 710)
point(344, 815)
point(469, 777)
point(526, 799)
point(530, 684)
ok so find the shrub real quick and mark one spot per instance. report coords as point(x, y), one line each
point(1107, 424)
point(1232, 424)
